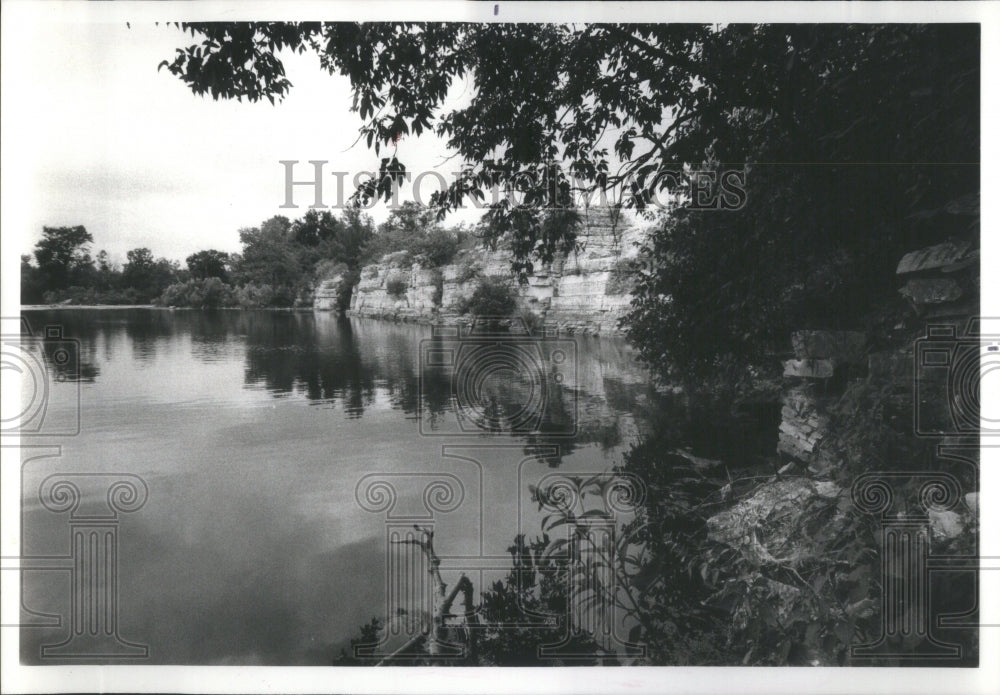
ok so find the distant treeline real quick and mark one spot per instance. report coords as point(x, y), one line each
point(279, 266)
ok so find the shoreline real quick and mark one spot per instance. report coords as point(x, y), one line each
point(104, 307)
point(560, 331)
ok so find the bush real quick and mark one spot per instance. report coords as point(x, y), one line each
point(329, 268)
point(207, 293)
point(492, 297)
point(437, 248)
point(622, 280)
point(253, 296)
point(89, 295)
point(396, 287)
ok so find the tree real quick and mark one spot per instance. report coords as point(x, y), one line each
point(32, 291)
point(138, 268)
point(268, 255)
point(146, 275)
point(492, 298)
point(808, 158)
point(107, 272)
point(354, 236)
point(315, 227)
point(62, 255)
point(209, 264)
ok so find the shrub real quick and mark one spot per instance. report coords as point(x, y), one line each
point(329, 268)
point(396, 287)
point(206, 293)
point(77, 295)
point(492, 297)
point(437, 248)
point(622, 280)
point(253, 296)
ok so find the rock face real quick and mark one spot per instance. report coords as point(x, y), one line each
point(803, 423)
point(941, 281)
point(806, 401)
point(585, 291)
point(326, 296)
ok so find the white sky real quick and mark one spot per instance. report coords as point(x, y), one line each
point(98, 137)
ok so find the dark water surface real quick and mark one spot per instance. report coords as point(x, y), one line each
point(278, 450)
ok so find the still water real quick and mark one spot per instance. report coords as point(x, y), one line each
point(275, 452)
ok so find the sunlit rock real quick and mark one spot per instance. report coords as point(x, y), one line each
point(948, 256)
point(587, 290)
point(771, 526)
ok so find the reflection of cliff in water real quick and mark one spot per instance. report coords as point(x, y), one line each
point(356, 361)
point(604, 397)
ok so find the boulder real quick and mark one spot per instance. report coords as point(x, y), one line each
point(950, 255)
point(803, 423)
point(768, 527)
point(945, 525)
point(809, 369)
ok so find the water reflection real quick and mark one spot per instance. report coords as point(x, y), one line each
point(252, 430)
point(328, 360)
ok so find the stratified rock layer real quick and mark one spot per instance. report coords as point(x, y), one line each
point(585, 291)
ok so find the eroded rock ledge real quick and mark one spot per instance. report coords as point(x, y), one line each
point(585, 291)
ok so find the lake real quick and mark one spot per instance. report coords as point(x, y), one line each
point(238, 473)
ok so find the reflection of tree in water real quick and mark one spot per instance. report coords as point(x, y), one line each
point(69, 357)
point(146, 330)
point(292, 353)
point(601, 418)
point(65, 363)
point(398, 373)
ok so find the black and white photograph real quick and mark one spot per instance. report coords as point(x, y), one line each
point(475, 346)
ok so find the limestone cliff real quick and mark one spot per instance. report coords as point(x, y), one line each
point(584, 291)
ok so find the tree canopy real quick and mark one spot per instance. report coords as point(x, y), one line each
point(62, 253)
point(208, 264)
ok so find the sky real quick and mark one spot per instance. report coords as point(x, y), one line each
point(97, 136)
